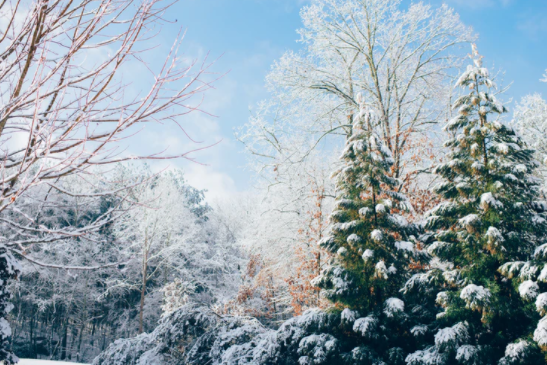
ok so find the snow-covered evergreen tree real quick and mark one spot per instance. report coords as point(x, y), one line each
point(368, 235)
point(489, 217)
point(372, 242)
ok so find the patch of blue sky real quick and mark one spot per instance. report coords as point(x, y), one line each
point(249, 35)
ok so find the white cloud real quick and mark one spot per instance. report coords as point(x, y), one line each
point(217, 184)
point(207, 170)
point(197, 130)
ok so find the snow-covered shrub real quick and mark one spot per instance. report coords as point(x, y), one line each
point(195, 335)
point(177, 329)
point(127, 351)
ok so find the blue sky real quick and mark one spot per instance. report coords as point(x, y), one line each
point(250, 35)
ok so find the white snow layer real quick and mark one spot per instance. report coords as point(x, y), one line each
point(452, 337)
point(45, 362)
point(469, 220)
point(494, 235)
point(540, 334)
point(381, 269)
point(541, 303)
point(368, 254)
point(426, 357)
point(475, 296)
point(466, 353)
point(517, 350)
point(394, 306)
point(488, 201)
point(406, 246)
point(419, 330)
point(366, 326)
point(528, 290)
point(377, 235)
point(348, 316)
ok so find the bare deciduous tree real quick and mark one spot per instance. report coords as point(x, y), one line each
point(399, 60)
point(66, 107)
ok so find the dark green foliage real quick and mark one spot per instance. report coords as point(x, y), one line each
point(489, 217)
point(195, 336)
point(374, 248)
point(372, 242)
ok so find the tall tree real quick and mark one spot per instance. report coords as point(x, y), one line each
point(160, 233)
point(371, 239)
point(490, 216)
point(400, 60)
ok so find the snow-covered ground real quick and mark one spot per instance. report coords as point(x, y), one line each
point(45, 362)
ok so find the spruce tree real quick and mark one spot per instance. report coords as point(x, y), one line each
point(529, 281)
point(489, 216)
point(372, 243)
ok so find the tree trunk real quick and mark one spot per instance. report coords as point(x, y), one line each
point(92, 340)
point(318, 273)
point(80, 338)
point(32, 343)
point(64, 341)
point(103, 346)
point(144, 279)
point(141, 310)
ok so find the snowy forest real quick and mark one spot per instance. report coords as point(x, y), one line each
point(396, 212)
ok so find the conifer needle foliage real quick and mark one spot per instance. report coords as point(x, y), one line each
point(490, 218)
point(373, 243)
